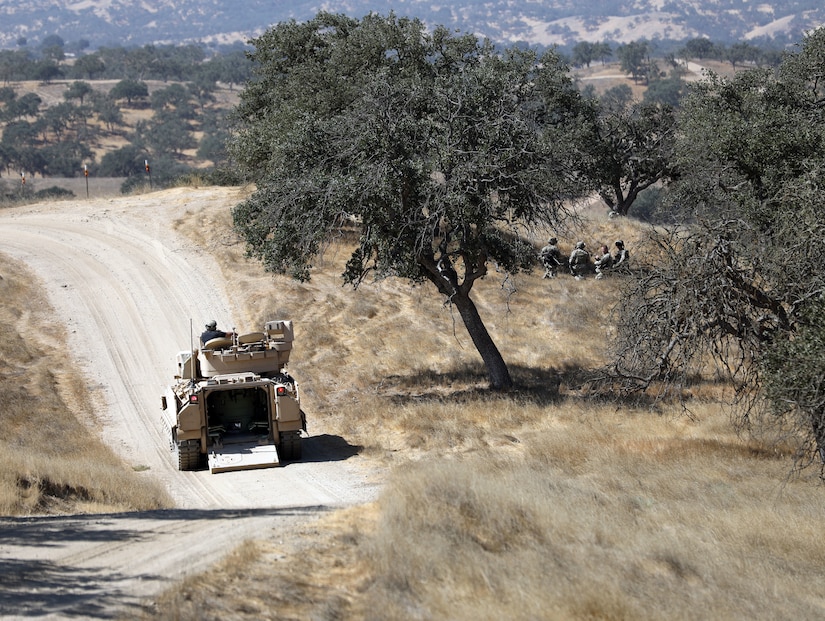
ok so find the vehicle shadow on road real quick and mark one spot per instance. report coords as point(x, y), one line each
point(326, 447)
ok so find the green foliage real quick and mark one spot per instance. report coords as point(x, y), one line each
point(225, 176)
point(212, 147)
point(617, 99)
point(700, 48)
point(230, 68)
point(175, 99)
point(165, 173)
point(585, 53)
point(65, 159)
point(52, 40)
point(631, 149)
point(202, 89)
point(422, 130)
point(77, 90)
point(54, 192)
point(15, 65)
point(438, 146)
point(47, 70)
point(129, 90)
point(88, 66)
point(650, 206)
point(20, 134)
point(124, 162)
point(57, 118)
point(745, 286)
point(30, 160)
point(169, 133)
point(740, 53)
point(666, 91)
point(794, 381)
point(634, 58)
point(27, 105)
point(108, 112)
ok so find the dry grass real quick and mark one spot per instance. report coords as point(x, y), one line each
point(592, 523)
point(538, 504)
point(49, 461)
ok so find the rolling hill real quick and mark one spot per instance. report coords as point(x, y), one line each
point(561, 22)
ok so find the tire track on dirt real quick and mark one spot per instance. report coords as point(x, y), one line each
point(128, 287)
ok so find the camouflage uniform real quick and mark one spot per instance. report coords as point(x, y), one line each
point(603, 263)
point(579, 261)
point(551, 258)
point(621, 257)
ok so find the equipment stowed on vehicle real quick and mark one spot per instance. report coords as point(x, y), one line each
point(234, 402)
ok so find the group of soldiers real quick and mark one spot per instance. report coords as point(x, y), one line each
point(580, 262)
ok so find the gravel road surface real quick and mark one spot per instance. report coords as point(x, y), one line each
point(132, 293)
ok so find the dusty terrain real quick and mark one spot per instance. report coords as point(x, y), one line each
point(133, 293)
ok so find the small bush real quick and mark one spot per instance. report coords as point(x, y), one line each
point(54, 192)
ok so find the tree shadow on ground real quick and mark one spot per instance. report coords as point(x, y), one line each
point(77, 584)
point(541, 386)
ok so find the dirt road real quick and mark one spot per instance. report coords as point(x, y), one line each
point(132, 294)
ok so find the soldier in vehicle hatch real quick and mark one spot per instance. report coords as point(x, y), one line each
point(212, 332)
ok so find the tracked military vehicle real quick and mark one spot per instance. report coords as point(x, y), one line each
point(233, 406)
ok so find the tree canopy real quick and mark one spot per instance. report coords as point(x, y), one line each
point(442, 150)
point(632, 148)
point(743, 285)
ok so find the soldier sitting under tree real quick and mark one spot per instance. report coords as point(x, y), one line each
point(550, 257)
point(621, 257)
point(579, 261)
point(604, 262)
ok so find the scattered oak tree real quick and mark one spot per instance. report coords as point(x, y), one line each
point(441, 148)
point(632, 149)
point(130, 90)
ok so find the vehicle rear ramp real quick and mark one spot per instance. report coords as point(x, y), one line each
point(243, 456)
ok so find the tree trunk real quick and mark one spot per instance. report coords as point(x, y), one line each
point(818, 425)
point(496, 367)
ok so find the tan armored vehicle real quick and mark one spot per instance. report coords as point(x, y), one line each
point(233, 405)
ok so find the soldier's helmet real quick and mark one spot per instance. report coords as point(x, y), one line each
point(580, 245)
point(211, 325)
point(552, 241)
point(620, 244)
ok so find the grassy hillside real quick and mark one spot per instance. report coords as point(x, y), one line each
point(103, 138)
point(539, 504)
point(51, 461)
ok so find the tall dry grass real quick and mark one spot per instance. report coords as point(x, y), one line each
point(49, 461)
point(611, 516)
point(538, 504)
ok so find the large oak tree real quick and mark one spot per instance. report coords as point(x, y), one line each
point(440, 148)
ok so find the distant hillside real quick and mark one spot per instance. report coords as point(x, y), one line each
point(560, 22)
